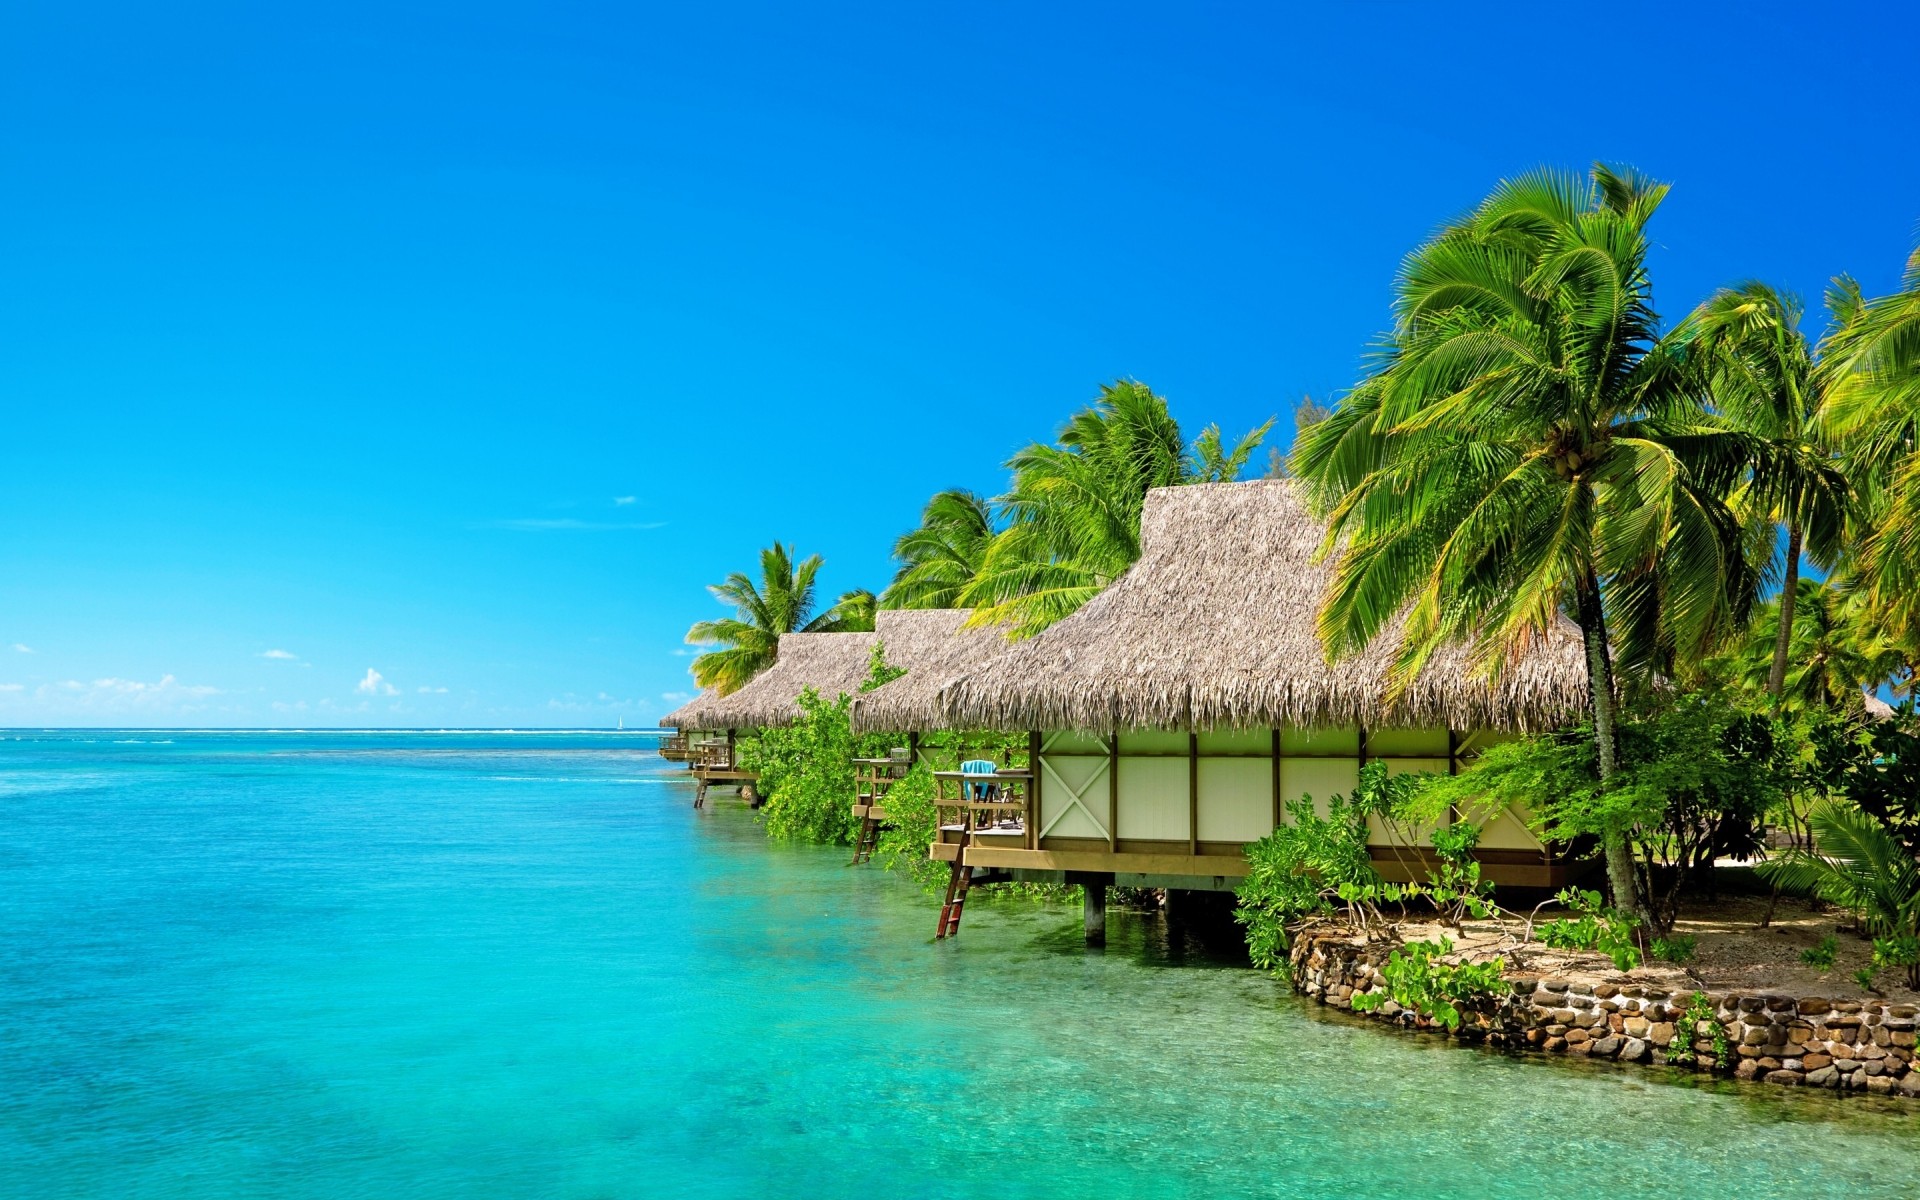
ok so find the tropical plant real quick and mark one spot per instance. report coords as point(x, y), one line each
point(1872, 363)
point(1745, 344)
point(1858, 865)
point(853, 612)
point(1073, 510)
point(781, 602)
point(1527, 447)
point(1833, 651)
point(1417, 977)
point(940, 557)
point(1293, 871)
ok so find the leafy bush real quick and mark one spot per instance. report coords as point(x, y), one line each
point(1415, 977)
point(1821, 957)
point(1597, 927)
point(1859, 864)
point(911, 827)
point(1700, 1012)
point(1293, 871)
point(1677, 948)
point(806, 773)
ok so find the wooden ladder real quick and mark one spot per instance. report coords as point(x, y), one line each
point(867, 840)
point(958, 882)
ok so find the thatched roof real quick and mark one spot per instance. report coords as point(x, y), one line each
point(830, 663)
point(1214, 628)
point(933, 648)
point(1877, 709)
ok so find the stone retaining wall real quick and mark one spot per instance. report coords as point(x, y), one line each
point(1805, 1041)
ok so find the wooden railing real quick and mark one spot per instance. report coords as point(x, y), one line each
point(674, 747)
point(873, 778)
point(994, 806)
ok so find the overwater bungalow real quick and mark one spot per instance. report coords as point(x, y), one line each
point(678, 746)
point(1174, 716)
point(830, 663)
point(931, 645)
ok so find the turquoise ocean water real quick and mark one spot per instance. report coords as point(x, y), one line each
point(472, 965)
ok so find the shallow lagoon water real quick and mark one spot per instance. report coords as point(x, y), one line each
point(440, 965)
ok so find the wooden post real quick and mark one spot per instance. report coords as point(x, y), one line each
point(1113, 800)
point(1193, 793)
point(1033, 789)
point(1094, 913)
point(1363, 745)
point(1279, 802)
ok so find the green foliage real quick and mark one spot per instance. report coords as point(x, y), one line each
point(781, 602)
point(1597, 927)
point(806, 772)
point(1073, 512)
point(1294, 870)
point(1696, 774)
point(912, 826)
point(1415, 977)
point(879, 671)
point(1680, 948)
point(1875, 766)
point(1700, 1012)
point(941, 557)
point(1865, 978)
point(1859, 865)
point(1457, 889)
point(1821, 957)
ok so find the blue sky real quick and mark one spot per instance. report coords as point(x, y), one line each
point(398, 365)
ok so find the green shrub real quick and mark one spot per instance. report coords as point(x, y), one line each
point(1294, 870)
point(1821, 957)
point(910, 829)
point(1700, 1012)
point(1415, 978)
point(806, 773)
point(1680, 948)
point(1597, 927)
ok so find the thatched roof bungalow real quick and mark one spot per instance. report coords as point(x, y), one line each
point(1174, 715)
point(830, 663)
point(932, 645)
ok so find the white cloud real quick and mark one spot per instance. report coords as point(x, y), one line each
point(114, 694)
point(675, 698)
point(375, 684)
point(13, 687)
point(431, 691)
point(623, 501)
point(684, 652)
point(279, 654)
point(23, 648)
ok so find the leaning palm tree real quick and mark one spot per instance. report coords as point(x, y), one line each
point(1873, 367)
point(1525, 448)
point(1858, 865)
point(1747, 346)
point(781, 602)
point(944, 554)
point(1073, 511)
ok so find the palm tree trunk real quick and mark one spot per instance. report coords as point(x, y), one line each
point(1593, 629)
point(1777, 678)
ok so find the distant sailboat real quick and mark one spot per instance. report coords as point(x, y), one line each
point(620, 724)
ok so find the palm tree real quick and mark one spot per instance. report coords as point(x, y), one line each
point(852, 612)
point(1528, 447)
point(1747, 345)
point(1835, 651)
point(1860, 866)
point(941, 557)
point(782, 602)
point(1873, 377)
point(1073, 511)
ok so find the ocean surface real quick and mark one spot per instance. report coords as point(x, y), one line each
point(301, 965)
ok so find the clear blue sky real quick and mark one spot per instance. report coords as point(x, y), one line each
point(463, 345)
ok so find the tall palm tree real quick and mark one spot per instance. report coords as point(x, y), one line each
point(1834, 650)
point(781, 602)
point(1873, 367)
point(941, 557)
point(1527, 447)
point(1747, 346)
point(1073, 511)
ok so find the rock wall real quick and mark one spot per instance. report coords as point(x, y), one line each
point(1805, 1041)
